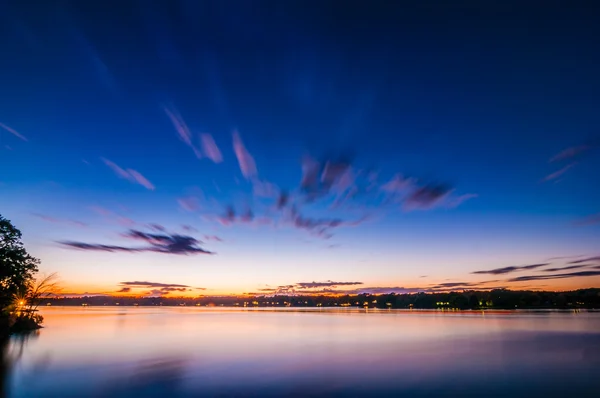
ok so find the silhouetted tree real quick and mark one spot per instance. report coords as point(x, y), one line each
point(17, 267)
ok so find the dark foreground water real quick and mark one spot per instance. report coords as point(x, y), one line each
point(189, 352)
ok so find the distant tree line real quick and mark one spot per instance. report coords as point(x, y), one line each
point(464, 300)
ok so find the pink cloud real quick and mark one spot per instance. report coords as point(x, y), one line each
point(455, 202)
point(118, 171)
point(189, 203)
point(214, 238)
point(180, 126)
point(559, 173)
point(13, 132)
point(131, 175)
point(570, 153)
point(59, 221)
point(246, 161)
point(210, 148)
point(140, 179)
point(398, 184)
point(101, 210)
point(264, 189)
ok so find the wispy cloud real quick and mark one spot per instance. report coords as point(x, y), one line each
point(189, 228)
point(321, 227)
point(159, 289)
point(579, 274)
point(557, 174)
point(585, 260)
point(129, 174)
point(589, 220)
point(507, 270)
point(13, 132)
point(158, 243)
point(570, 153)
point(565, 268)
point(427, 196)
point(210, 148)
point(264, 189)
point(181, 128)
point(245, 160)
point(398, 185)
point(189, 203)
point(145, 284)
point(59, 220)
point(213, 238)
point(313, 285)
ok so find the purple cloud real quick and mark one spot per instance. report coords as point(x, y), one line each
point(264, 189)
point(213, 238)
point(13, 132)
point(158, 243)
point(585, 260)
point(129, 175)
point(589, 220)
point(245, 160)
point(427, 197)
point(210, 148)
point(181, 128)
point(565, 268)
point(189, 228)
point(506, 270)
point(314, 285)
point(570, 153)
point(557, 174)
point(579, 274)
point(321, 227)
point(145, 284)
point(398, 185)
point(189, 203)
point(157, 227)
point(59, 221)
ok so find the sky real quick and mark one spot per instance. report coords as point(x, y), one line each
point(185, 147)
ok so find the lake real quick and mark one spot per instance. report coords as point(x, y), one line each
point(189, 352)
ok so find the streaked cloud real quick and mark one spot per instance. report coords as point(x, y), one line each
point(157, 288)
point(129, 174)
point(182, 129)
point(313, 285)
point(158, 243)
point(427, 197)
point(189, 203)
point(146, 284)
point(565, 268)
point(569, 153)
point(398, 185)
point(13, 132)
point(210, 148)
point(245, 160)
point(322, 227)
point(580, 274)
point(557, 174)
point(585, 260)
point(507, 270)
point(59, 220)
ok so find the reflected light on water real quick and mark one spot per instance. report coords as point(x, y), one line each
point(184, 352)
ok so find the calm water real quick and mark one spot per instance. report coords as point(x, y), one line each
point(188, 352)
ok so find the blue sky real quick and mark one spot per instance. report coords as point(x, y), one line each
point(118, 115)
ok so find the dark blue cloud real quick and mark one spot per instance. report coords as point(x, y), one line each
point(158, 243)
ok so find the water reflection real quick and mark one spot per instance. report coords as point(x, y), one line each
point(186, 352)
point(11, 351)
